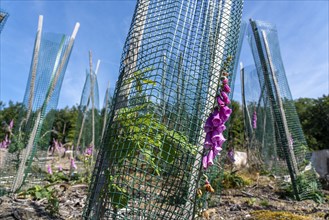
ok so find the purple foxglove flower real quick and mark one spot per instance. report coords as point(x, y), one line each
point(254, 120)
point(208, 126)
point(73, 165)
point(230, 155)
point(208, 143)
point(217, 149)
point(210, 158)
point(49, 170)
point(225, 97)
point(215, 136)
point(6, 142)
point(1, 145)
point(11, 124)
point(55, 143)
point(226, 88)
point(225, 80)
point(60, 168)
point(205, 162)
point(225, 113)
point(6, 139)
point(221, 128)
point(89, 151)
point(216, 120)
point(220, 101)
point(218, 144)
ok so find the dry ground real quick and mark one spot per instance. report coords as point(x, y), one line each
point(263, 201)
point(256, 201)
point(71, 202)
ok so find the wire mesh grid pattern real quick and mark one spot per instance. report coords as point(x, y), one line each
point(3, 18)
point(242, 33)
point(85, 122)
point(105, 111)
point(150, 160)
point(215, 173)
point(278, 127)
point(259, 123)
point(85, 96)
point(25, 161)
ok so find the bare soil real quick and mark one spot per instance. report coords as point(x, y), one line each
point(257, 201)
point(263, 201)
point(71, 203)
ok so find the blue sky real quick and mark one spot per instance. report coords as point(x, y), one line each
point(302, 27)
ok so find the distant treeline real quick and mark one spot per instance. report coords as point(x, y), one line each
point(313, 115)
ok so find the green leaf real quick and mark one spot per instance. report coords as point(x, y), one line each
point(119, 196)
point(38, 195)
point(38, 188)
point(148, 81)
point(168, 152)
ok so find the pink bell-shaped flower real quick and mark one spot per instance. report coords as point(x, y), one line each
point(225, 97)
point(225, 80)
point(216, 121)
point(218, 144)
point(225, 113)
point(11, 124)
point(73, 165)
point(221, 128)
point(210, 158)
point(208, 126)
point(208, 143)
point(226, 88)
point(49, 170)
point(205, 162)
point(220, 101)
point(215, 136)
point(254, 120)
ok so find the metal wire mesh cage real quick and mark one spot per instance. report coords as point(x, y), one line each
point(3, 18)
point(108, 102)
point(235, 72)
point(26, 156)
point(259, 124)
point(85, 97)
point(88, 124)
point(278, 131)
point(150, 159)
point(215, 174)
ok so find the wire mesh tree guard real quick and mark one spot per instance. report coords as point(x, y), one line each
point(108, 101)
point(149, 164)
point(272, 123)
point(88, 124)
point(215, 173)
point(25, 164)
point(88, 130)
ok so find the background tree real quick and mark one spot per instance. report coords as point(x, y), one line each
point(235, 136)
point(314, 117)
point(9, 113)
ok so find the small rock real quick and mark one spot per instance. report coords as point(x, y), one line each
point(235, 208)
point(77, 204)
